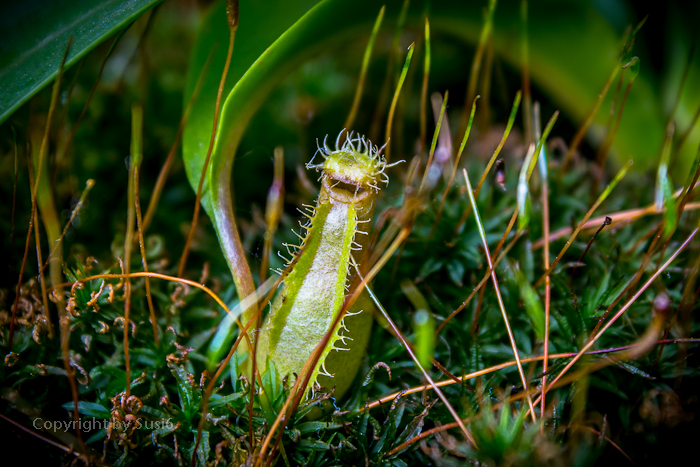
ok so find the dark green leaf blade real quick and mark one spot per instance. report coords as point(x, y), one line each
point(35, 35)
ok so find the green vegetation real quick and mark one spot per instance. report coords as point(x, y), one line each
point(120, 312)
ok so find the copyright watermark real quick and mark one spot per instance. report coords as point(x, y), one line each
point(91, 424)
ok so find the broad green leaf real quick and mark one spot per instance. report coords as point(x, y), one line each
point(35, 35)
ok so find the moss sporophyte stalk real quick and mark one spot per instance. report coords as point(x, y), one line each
point(314, 291)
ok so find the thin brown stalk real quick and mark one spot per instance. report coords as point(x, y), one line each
point(513, 397)
point(88, 186)
point(21, 275)
point(375, 126)
point(509, 126)
point(156, 275)
point(144, 261)
point(165, 170)
point(395, 100)
point(617, 218)
point(579, 261)
point(14, 201)
point(611, 442)
point(60, 160)
point(527, 97)
point(611, 114)
point(622, 310)
point(136, 153)
point(273, 210)
point(578, 137)
point(55, 268)
point(544, 172)
point(684, 138)
point(498, 294)
point(43, 151)
point(580, 225)
point(605, 149)
point(435, 139)
point(474, 329)
point(412, 354)
point(456, 164)
point(486, 83)
point(37, 244)
point(547, 288)
point(269, 288)
point(363, 72)
point(418, 389)
point(232, 16)
point(45, 439)
point(302, 380)
point(481, 283)
point(485, 34)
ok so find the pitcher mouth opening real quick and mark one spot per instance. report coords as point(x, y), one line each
point(345, 190)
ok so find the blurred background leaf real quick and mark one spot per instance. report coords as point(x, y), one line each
point(573, 49)
point(36, 33)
